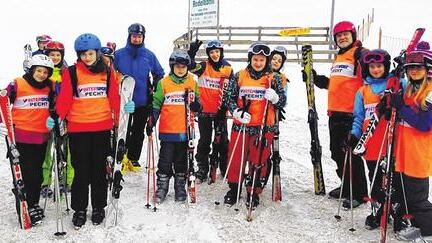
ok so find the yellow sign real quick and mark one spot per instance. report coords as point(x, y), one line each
point(294, 31)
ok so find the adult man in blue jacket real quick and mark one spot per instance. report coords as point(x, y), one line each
point(138, 62)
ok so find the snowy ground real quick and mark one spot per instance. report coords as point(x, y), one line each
point(300, 217)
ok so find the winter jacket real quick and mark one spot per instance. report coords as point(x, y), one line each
point(169, 106)
point(92, 110)
point(139, 62)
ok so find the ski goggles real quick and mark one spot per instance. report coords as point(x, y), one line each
point(257, 49)
point(54, 46)
point(214, 44)
point(106, 51)
point(373, 58)
point(281, 49)
point(414, 59)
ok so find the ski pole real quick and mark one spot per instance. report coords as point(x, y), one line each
point(148, 172)
point(352, 229)
point(241, 168)
point(337, 216)
point(153, 174)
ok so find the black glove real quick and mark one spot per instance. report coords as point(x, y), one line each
point(350, 143)
point(193, 48)
point(149, 126)
point(396, 100)
point(220, 114)
point(304, 76)
point(195, 106)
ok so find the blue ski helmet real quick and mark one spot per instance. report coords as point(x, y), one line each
point(86, 42)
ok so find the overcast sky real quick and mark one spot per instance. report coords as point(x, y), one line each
point(22, 20)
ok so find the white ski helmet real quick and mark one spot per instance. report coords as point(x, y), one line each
point(43, 61)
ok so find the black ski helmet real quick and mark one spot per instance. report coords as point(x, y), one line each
point(375, 56)
point(282, 51)
point(136, 28)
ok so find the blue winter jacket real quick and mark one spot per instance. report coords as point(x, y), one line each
point(378, 86)
point(139, 62)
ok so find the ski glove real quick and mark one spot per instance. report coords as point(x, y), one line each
point(3, 129)
point(382, 108)
point(193, 48)
point(314, 74)
point(242, 116)
point(271, 95)
point(149, 126)
point(50, 122)
point(320, 81)
point(129, 107)
point(350, 143)
point(396, 100)
point(195, 106)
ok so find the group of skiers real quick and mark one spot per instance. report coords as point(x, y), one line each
point(85, 96)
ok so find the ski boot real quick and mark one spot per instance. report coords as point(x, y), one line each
point(201, 176)
point(355, 203)
point(162, 186)
point(255, 200)
point(35, 216)
point(79, 218)
point(98, 216)
point(180, 187)
point(231, 196)
point(335, 193)
point(46, 192)
point(372, 222)
point(134, 166)
point(39, 210)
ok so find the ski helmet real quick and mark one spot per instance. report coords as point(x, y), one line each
point(282, 51)
point(54, 46)
point(136, 28)
point(43, 61)
point(375, 56)
point(212, 45)
point(258, 48)
point(423, 46)
point(179, 57)
point(345, 26)
point(43, 38)
point(86, 42)
point(417, 59)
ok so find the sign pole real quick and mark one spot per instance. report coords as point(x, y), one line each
point(189, 37)
point(218, 10)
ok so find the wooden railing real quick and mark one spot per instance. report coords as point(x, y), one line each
point(238, 39)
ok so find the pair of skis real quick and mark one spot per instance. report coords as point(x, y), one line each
point(116, 177)
point(189, 97)
point(14, 158)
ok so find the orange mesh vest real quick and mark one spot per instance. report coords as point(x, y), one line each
point(30, 109)
point(413, 148)
point(370, 101)
point(344, 83)
point(254, 91)
point(211, 84)
point(92, 104)
point(173, 114)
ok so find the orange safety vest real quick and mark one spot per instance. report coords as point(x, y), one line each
point(173, 113)
point(30, 109)
point(211, 84)
point(344, 83)
point(92, 104)
point(254, 91)
point(413, 148)
point(370, 101)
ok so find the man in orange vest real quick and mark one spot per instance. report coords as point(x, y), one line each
point(345, 79)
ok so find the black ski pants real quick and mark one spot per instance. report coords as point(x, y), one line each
point(172, 156)
point(417, 193)
point(207, 125)
point(89, 151)
point(340, 124)
point(135, 138)
point(32, 157)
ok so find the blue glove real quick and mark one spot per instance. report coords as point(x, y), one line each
point(50, 123)
point(129, 107)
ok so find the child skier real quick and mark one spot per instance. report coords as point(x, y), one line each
point(169, 106)
point(376, 76)
point(265, 93)
point(413, 147)
point(42, 41)
point(55, 50)
point(212, 74)
point(31, 95)
point(88, 96)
